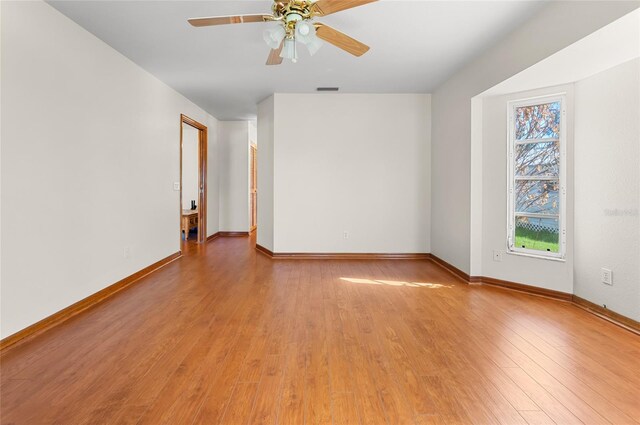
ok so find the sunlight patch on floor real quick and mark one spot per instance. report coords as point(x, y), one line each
point(394, 283)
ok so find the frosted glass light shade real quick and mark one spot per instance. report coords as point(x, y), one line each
point(274, 36)
point(289, 50)
point(305, 32)
point(314, 45)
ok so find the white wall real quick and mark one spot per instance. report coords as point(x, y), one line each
point(607, 193)
point(253, 132)
point(556, 26)
point(190, 154)
point(90, 152)
point(266, 135)
point(544, 273)
point(234, 175)
point(362, 167)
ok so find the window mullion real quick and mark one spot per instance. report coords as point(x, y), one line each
point(540, 140)
point(537, 178)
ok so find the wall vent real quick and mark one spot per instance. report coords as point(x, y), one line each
point(328, 89)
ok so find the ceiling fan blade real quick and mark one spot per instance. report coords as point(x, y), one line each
point(224, 20)
point(327, 7)
point(274, 55)
point(341, 40)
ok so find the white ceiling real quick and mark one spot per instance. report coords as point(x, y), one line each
point(415, 45)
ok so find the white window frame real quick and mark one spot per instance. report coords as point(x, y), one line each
point(511, 177)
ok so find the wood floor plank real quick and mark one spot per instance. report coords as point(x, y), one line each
point(344, 409)
point(536, 417)
point(242, 401)
point(291, 409)
point(552, 407)
point(269, 391)
point(317, 393)
point(227, 335)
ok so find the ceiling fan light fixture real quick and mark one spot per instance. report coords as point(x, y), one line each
point(295, 20)
point(289, 50)
point(274, 36)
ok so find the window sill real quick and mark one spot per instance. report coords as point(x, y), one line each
point(540, 257)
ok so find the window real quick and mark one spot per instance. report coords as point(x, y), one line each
point(536, 176)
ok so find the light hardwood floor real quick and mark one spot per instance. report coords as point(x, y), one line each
point(226, 335)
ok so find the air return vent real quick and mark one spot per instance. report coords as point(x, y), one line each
point(328, 89)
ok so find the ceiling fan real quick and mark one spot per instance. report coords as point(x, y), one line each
point(295, 23)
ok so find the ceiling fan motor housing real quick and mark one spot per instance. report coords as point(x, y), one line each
point(293, 10)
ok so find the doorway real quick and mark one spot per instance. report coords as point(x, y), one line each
point(193, 180)
point(253, 189)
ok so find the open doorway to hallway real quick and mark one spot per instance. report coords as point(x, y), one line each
point(193, 178)
point(253, 187)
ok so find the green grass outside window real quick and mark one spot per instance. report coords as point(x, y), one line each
point(542, 240)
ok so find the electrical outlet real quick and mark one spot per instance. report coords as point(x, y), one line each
point(606, 276)
point(345, 234)
point(126, 252)
point(176, 186)
point(497, 255)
